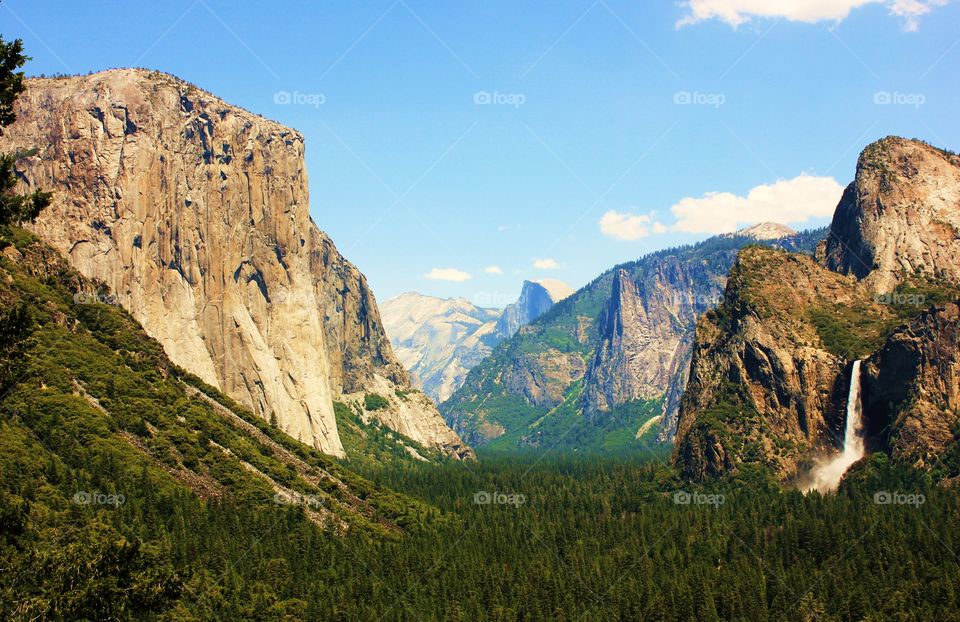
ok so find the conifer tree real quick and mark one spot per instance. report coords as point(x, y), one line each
point(14, 208)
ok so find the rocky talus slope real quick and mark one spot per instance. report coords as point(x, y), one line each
point(195, 214)
point(771, 369)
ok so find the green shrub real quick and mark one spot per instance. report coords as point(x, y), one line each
point(372, 401)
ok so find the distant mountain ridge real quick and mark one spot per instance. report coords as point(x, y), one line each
point(764, 231)
point(439, 340)
point(597, 366)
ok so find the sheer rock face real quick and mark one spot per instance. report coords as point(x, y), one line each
point(195, 213)
point(911, 387)
point(901, 215)
point(642, 341)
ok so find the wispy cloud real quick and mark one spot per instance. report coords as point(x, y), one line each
point(493, 270)
point(546, 264)
point(447, 274)
point(737, 12)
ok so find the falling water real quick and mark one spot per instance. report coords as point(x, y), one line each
point(827, 475)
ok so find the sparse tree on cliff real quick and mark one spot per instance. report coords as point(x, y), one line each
point(14, 208)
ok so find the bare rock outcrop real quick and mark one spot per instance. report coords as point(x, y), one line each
point(642, 338)
point(536, 298)
point(899, 217)
point(195, 213)
point(911, 388)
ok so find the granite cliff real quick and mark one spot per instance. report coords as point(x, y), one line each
point(899, 216)
point(536, 298)
point(195, 214)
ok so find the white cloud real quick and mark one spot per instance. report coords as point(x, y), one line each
point(626, 226)
point(736, 12)
point(787, 201)
point(546, 264)
point(447, 274)
point(493, 270)
point(911, 10)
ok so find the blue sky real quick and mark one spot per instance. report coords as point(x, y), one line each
point(547, 139)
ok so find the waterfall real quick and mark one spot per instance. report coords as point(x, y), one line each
point(827, 475)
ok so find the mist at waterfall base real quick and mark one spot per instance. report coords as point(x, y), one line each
point(827, 475)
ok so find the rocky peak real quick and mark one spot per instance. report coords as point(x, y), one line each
point(536, 298)
point(900, 216)
point(195, 213)
point(766, 384)
point(765, 231)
